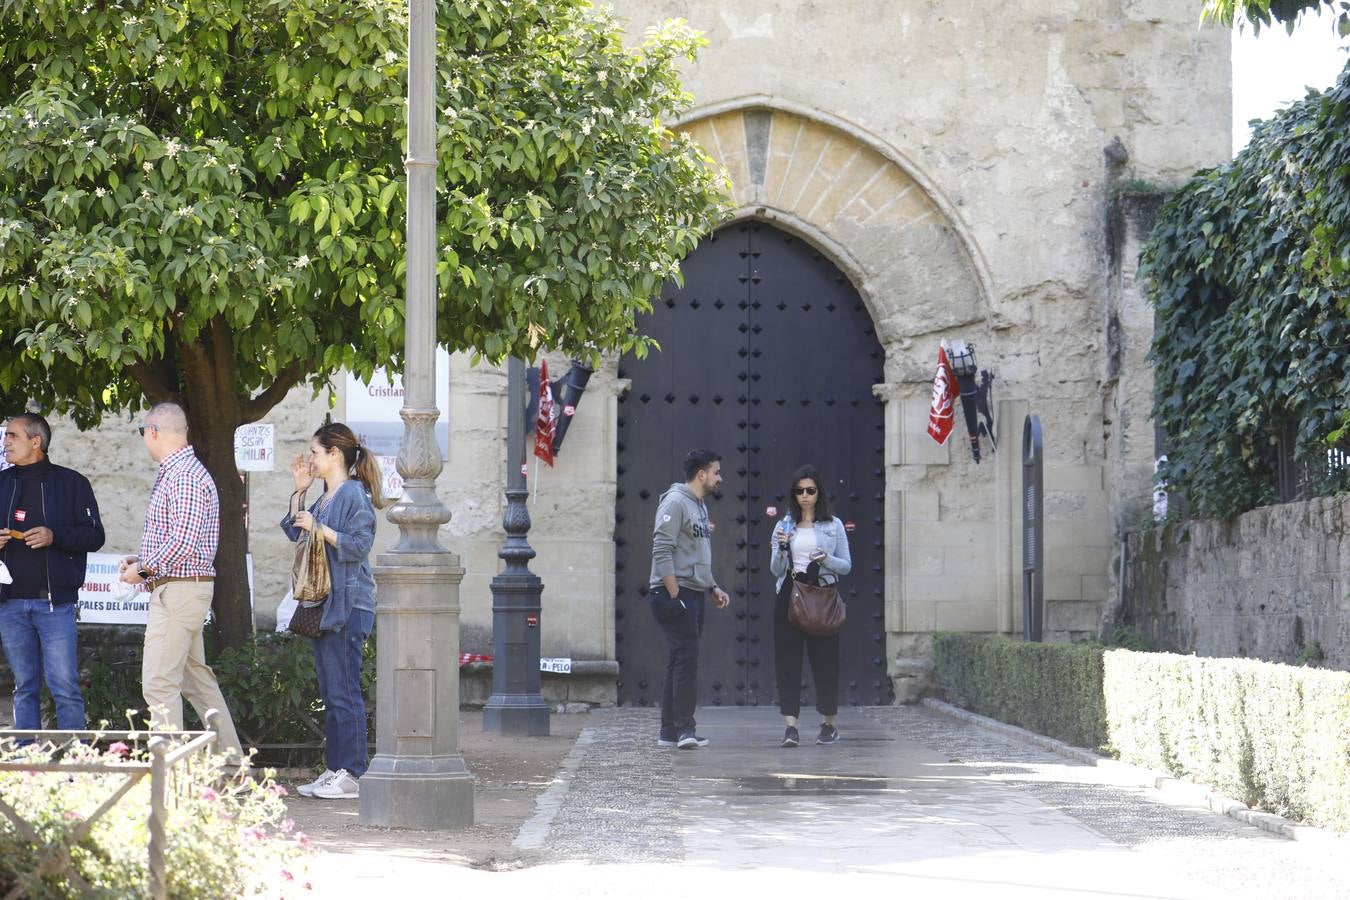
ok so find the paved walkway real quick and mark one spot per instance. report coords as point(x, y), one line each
point(908, 801)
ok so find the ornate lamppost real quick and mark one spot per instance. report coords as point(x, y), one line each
point(516, 705)
point(418, 778)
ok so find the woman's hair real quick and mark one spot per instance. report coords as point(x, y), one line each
point(358, 458)
point(823, 513)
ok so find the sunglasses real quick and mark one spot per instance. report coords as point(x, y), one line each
point(141, 429)
point(808, 491)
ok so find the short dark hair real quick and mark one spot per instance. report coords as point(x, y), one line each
point(35, 426)
point(823, 513)
point(698, 460)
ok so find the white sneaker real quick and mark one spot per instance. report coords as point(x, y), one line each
point(342, 786)
point(307, 790)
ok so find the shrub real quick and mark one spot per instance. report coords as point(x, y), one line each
point(1269, 734)
point(1272, 735)
point(225, 837)
point(269, 684)
point(1052, 689)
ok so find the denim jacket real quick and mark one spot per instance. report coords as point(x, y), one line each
point(830, 537)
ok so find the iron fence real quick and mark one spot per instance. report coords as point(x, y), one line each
point(166, 750)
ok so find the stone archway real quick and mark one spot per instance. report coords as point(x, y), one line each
point(890, 230)
point(918, 269)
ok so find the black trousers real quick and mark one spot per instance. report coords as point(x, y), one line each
point(681, 620)
point(823, 652)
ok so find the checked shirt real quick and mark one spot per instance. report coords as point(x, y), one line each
point(182, 522)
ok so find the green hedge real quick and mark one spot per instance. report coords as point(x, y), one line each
point(1051, 689)
point(269, 684)
point(1274, 736)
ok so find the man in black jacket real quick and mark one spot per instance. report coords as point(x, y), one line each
point(51, 524)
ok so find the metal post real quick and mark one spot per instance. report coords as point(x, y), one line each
point(1033, 529)
point(418, 778)
point(159, 887)
point(516, 705)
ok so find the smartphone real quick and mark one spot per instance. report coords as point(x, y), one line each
point(16, 533)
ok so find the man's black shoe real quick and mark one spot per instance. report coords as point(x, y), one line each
point(790, 736)
point(828, 734)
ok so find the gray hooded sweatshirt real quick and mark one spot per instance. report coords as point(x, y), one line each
point(682, 540)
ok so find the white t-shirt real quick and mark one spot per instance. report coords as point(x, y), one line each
point(804, 543)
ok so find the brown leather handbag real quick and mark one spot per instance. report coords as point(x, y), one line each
point(311, 584)
point(818, 610)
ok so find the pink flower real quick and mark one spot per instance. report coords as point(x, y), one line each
point(210, 795)
point(71, 816)
point(255, 832)
point(304, 841)
point(286, 873)
point(287, 826)
point(279, 790)
point(119, 749)
point(308, 886)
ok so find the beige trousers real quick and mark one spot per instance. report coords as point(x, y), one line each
point(174, 665)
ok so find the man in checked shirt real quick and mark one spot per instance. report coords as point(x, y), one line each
point(177, 560)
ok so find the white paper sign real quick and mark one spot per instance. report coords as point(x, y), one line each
point(393, 482)
point(97, 606)
point(558, 666)
point(373, 409)
point(254, 447)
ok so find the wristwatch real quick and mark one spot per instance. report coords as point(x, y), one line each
point(145, 573)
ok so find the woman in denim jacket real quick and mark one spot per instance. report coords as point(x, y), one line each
point(808, 536)
point(345, 517)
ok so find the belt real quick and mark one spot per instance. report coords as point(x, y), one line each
point(170, 579)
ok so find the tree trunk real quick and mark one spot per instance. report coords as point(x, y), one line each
point(200, 375)
point(214, 437)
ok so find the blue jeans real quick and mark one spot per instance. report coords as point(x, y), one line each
point(337, 661)
point(39, 639)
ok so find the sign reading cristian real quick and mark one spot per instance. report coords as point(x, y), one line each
point(373, 413)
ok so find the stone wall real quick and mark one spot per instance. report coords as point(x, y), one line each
point(1270, 584)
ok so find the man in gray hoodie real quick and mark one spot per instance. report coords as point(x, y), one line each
point(681, 578)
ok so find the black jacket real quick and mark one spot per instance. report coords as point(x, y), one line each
point(71, 512)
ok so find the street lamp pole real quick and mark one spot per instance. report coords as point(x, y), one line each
point(418, 778)
point(516, 705)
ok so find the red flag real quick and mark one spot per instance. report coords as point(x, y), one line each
point(941, 412)
point(546, 421)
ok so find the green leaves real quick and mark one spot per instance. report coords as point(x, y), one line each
point(1249, 269)
point(232, 170)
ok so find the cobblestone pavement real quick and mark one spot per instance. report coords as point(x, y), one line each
point(916, 798)
point(909, 803)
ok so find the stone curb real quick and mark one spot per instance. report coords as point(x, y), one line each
point(1177, 789)
point(535, 831)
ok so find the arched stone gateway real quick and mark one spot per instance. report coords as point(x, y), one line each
point(769, 357)
point(898, 240)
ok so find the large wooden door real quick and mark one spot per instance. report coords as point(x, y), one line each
point(768, 356)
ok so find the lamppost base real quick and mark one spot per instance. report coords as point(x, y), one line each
point(431, 792)
point(518, 714)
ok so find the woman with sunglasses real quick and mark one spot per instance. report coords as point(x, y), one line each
point(809, 544)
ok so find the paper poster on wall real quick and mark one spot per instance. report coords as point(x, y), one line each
point(373, 409)
point(393, 482)
point(97, 606)
point(254, 447)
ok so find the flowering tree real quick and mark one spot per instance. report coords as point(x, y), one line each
point(204, 200)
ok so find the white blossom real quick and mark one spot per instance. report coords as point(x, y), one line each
point(390, 56)
point(172, 148)
point(302, 262)
point(100, 192)
point(184, 211)
point(146, 166)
